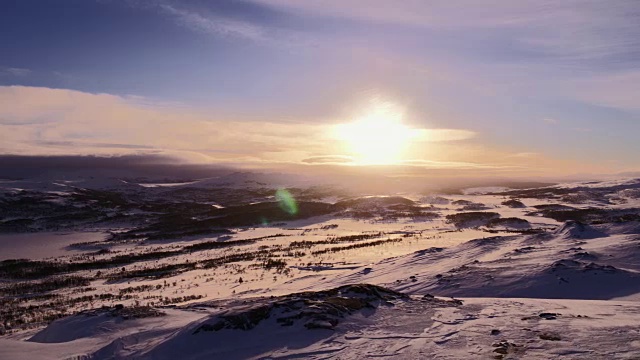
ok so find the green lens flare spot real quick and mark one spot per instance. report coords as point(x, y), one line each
point(286, 201)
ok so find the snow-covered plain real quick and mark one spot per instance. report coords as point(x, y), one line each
point(539, 274)
point(43, 245)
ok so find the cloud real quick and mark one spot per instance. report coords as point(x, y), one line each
point(329, 159)
point(13, 71)
point(230, 19)
point(572, 29)
point(215, 24)
point(16, 167)
point(57, 121)
point(407, 12)
point(84, 144)
point(551, 121)
point(455, 165)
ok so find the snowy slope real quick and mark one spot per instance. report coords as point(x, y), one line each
point(479, 328)
point(531, 286)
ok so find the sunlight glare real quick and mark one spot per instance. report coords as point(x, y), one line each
point(377, 137)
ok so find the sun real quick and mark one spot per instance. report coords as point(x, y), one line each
point(378, 136)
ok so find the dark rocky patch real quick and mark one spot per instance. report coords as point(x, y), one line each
point(386, 207)
point(317, 310)
point(513, 203)
point(568, 264)
point(373, 202)
point(579, 230)
point(462, 202)
point(548, 316)
point(552, 207)
point(580, 215)
point(477, 218)
point(592, 216)
point(125, 312)
point(504, 348)
point(431, 250)
point(509, 222)
point(524, 250)
point(584, 255)
point(550, 336)
point(474, 207)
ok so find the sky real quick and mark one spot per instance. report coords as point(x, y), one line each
point(495, 86)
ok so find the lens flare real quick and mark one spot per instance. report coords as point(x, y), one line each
point(286, 201)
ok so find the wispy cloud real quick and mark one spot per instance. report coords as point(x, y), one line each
point(456, 164)
point(329, 159)
point(573, 29)
point(215, 24)
point(85, 145)
point(14, 72)
point(228, 19)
